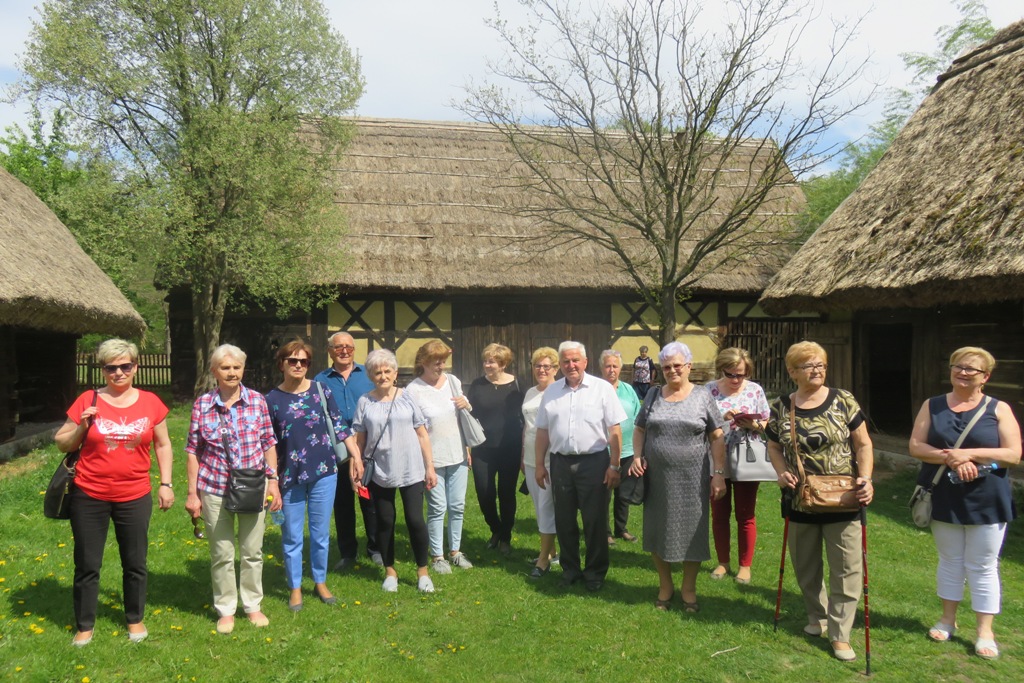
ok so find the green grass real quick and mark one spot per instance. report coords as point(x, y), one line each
point(490, 623)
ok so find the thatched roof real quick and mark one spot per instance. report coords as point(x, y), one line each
point(423, 202)
point(941, 218)
point(46, 281)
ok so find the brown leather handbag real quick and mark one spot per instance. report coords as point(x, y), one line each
point(820, 492)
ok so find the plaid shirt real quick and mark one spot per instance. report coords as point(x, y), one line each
point(250, 435)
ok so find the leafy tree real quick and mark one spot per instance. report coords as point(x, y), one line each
point(230, 110)
point(654, 112)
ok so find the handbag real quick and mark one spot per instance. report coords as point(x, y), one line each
point(469, 427)
point(340, 452)
point(369, 464)
point(820, 492)
point(634, 489)
point(57, 499)
point(921, 499)
point(748, 458)
point(247, 486)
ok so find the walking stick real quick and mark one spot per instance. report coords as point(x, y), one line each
point(867, 614)
point(782, 569)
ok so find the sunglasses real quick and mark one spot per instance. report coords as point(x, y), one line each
point(739, 375)
point(196, 531)
point(299, 362)
point(123, 367)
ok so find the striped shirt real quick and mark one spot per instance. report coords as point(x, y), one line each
point(250, 435)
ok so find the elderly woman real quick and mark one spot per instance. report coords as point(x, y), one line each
point(234, 416)
point(115, 427)
point(676, 429)
point(644, 373)
point(308, 467)
point(497, 403)
point(545, 367)
point(832, 438)
point(969, 518)
point(391, 430)
point(611, 368)
point(439, 396)
point(745, 406)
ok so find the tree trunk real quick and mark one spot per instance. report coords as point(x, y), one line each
point(667, 316)
point(209, 301)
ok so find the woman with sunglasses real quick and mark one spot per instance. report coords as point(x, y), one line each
point(745, 406)
point(971, 511)
point(116, 428)
point(308, 467)
point(545, 367)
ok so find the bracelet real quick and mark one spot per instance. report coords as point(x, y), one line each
point(166, 484)
point(272, 477)
point(722, 472)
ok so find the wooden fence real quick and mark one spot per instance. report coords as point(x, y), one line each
point(154, 371)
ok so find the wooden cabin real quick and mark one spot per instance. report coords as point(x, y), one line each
point(51, 293)
point(927, 255)
point(434, 252)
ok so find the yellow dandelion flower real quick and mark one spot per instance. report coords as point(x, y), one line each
point(358, 603)
point(157, 611)
point(269, 556)
point(85, 679)
point(269, 639)
point(27, 614)
point(61, 545)
point(79, 667)
point(2, 579)
point(17, 669)
point(33, 584)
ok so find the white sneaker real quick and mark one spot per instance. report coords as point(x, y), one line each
point(426, 585)
point(439, 565)
point(460, 560)
point(390, 584)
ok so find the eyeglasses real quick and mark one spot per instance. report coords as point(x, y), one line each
point(969, 371)
point(808, 367)
point(544, 367)
point(300, 362)
point(342, 347)
point(675, 368)
point(740, 375)
point(125, 368)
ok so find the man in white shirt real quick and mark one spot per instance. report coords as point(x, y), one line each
point(578, 422)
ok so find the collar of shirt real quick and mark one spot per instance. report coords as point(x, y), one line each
point(356, 367)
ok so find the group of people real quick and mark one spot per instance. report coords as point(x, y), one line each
point(699, 453)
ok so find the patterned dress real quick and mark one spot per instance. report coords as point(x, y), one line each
point(678, 483)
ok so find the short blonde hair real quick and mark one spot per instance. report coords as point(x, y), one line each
point(731, 357)
point(964, 351)
point(498, 352)
point(545, 352)
point(803, 351)
point(115, 348)
point(431, 352)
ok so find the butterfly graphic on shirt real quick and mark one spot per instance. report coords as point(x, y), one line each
point(128, 435)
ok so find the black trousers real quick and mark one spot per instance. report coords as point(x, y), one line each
point(90, 521)
point(620, 508)
point(345, 519)
point(641, 389)
point(497, 501)
point(412, 504)
point(577, 484)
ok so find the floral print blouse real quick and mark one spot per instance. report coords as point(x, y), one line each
point(304, 452)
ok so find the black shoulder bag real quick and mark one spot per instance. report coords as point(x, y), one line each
point(57, 499)
point(632, 489)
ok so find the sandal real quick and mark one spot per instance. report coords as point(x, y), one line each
point(941, 633)
point(986, 644)
point(666, 604)
point(691, 607)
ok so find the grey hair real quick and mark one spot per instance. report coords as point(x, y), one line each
point(331, 337)
point(115, 348)
point(572, 346)
point(675, 349)
point(225, 351)
point(609, 352)
point(381, 357)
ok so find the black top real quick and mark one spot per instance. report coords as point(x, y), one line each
point(499, 407)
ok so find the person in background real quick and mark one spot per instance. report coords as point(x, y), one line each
point(497, 402)
point(969, 519)
point(676, 435)
point(240, 413)
point(348, 381)
point(116, 437)
point(545, 367)
point(392, 431)
point(308, 467)
point(745, 407)
point(611, 368)
point(439, 396)
point(644, 373)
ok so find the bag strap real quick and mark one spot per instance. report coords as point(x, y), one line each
point(327, 416)
point(69, 460)
point(963, 435)
point(792, 435)
point(387, 423)
point(225, 441)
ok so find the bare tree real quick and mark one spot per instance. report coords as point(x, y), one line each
point(670, 144)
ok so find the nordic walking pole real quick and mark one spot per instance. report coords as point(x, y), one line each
point(867, 615)
point(782, 569)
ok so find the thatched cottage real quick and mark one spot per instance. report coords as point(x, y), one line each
point(432, 254)
point(51, 293)
point(928, 254)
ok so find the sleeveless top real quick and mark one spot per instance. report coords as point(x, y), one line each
point(987, 500)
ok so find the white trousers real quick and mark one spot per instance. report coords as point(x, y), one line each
point(969, 553)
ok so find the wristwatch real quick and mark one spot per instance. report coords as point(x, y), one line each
point(163, 483)
point(615, 468)
point(722, 472)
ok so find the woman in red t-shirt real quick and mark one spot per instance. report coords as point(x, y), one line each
point(115, 432)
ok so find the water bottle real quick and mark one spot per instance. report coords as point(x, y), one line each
point(983, 471)
point(276, 516)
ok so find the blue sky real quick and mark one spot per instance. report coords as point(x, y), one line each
point(417, 55)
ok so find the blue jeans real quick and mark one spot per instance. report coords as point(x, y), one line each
point(448, 496)
point(318, 497)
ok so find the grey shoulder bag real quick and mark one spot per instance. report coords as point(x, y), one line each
point(340, 452)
